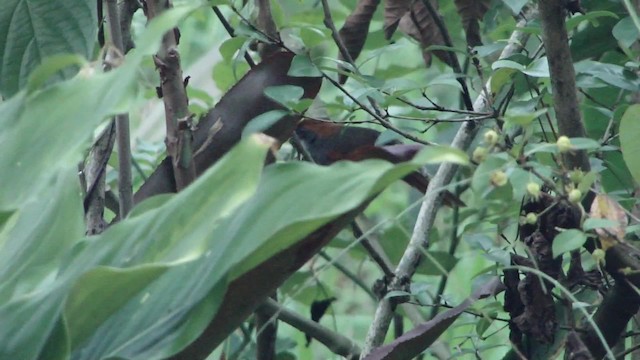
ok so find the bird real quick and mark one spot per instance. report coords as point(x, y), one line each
point(329, 142)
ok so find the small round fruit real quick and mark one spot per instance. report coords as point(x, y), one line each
point(575, 195)
point(532, 218)
point(479, 154)
point(534, 190)
point(563, 143)
point(491, 137)
point(499, 178)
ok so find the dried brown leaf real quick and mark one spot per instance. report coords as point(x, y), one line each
point(394, 10)
point(417, 340)
point(356, 28)
point(471, 12)
point(604, 207)
point(420, 25)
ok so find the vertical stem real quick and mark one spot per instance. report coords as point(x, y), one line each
point(177, 115)
point(562, 73)
point(123, 137)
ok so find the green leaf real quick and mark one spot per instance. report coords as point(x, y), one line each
point(31, 30)
point(230, 46)
point(66, 115)
point(629, 134)
point(594, 223)
point(626, 32)
point(303, 66)
point(50, 66)
point(34, 245)
point(568, 240)
point(591, 16)
point(584, 144)
point(263, 121)
point(507, 64)
point(611, 74)
point(166, 236)
point(284, 94)
point(90, 302)
point(523, 119)
point(538, 68)
point(440, 153)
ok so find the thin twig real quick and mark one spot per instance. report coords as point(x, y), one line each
point(466, 97)
point(346, 272)
point(337, 343)
point(328, 22)
point(123, 135)
point(231, 33)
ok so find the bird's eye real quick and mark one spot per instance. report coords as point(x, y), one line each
point(306, 135)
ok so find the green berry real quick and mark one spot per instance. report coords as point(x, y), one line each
point(499, 178)
point(491, 137)
point(564, 144)
point(479, 154)
point(534, 190)
point(575, 195)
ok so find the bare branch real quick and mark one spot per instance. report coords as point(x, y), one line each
point(123, 136)
point(337, 343)
point(563, 75)
point(177, 115)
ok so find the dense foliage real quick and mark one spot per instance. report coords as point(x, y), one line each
point(294, 190)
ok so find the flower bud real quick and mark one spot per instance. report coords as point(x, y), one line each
point(532, 218)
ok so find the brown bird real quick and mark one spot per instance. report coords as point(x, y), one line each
point(329, 142)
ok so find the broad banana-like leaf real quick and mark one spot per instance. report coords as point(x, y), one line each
point(298, 208)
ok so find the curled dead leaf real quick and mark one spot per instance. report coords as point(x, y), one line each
point(471, 12)
point(420, 25)
point(394, 10)
point(604, 207)
point(356, 28)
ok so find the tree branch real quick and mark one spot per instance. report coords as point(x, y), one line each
point(337, 343)
point(565, 98)
point(611, 318)
point(123, 136)
point(177, 115)
point(433, 198)
point(94, 173)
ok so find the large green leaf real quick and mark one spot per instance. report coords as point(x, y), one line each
point(45, 130)
point(37, 237)
point(31, 30)
point(164, 239)
point(42, 211)
point(629, 132)
point(162, 317)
